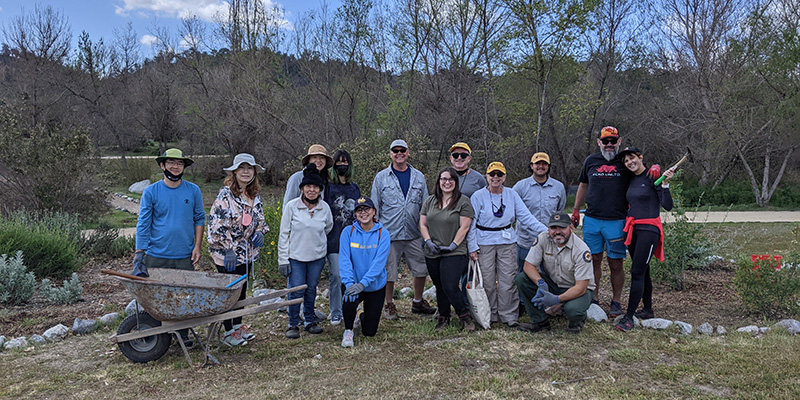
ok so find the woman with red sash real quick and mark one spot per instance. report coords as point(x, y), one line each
point(645, 234)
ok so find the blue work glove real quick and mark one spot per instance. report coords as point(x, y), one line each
point(350, 299)
point(544, 299)
point(285, 269)
point(432, 247)
point(258, 239)
point(449, 248)
point(542, 285)
point(138, 267)
point(354, 289)
point(230, 260)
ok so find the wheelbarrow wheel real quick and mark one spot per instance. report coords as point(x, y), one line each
point(146, 349)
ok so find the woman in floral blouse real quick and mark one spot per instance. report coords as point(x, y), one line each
point(236, 229)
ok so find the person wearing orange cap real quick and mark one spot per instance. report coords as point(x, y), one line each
point(603, 183)
point(469, 180)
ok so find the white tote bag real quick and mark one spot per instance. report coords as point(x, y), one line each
point(478, 302)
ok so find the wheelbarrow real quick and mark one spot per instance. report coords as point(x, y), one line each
point(175, 300)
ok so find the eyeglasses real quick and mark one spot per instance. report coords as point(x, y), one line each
point(399, 150)
point(496, 174)
point(444, 179)
point(456, 156)
point(362, 210)
point(609, 140)
point(175, 162)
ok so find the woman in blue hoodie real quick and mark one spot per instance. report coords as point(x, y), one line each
point(363, 250)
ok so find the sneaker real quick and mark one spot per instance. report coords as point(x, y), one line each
point(467, 324)
point(233, 338)
point(336, 320)
point(644, 314)
point(422, 307)
point(390, 311)
point(313, 328)
point(615, 310)
point(543, 326)
point(442, 323)
point(293, 332)
point(347, 338)
point(576, 328)
point(625, 324)
point(244, 331)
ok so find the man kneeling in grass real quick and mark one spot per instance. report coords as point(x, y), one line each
point(557, 272)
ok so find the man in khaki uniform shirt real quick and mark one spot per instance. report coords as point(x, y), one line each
point(557, 271)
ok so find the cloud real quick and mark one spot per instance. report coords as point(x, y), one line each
point(203, 9)
point(148, 40)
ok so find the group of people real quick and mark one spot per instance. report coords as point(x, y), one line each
point(469, 217)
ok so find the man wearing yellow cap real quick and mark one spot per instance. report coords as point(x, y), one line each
point(469, 180)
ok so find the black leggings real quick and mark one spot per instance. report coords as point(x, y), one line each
point(373, 308)
point(446, 274)
point(241, 269)
point(642, 246)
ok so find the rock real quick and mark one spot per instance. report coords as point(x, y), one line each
point(748, 329)
point(37, 339)
point(2, 340)
point(139, 187)
point(406, 292)
point(83, 326)
point(721, 330)
point(791, 325)
point(686, 328)
point(705, 329)
point(130, 309)
point(320, 315)
point(657, 323)
point(327, 293)
point(429, 294)
point(595, 313)
point(109, 318)
point(56, 333)
point(20, 342)
point(764, 329)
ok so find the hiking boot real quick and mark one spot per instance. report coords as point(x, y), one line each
point(313, 328)
point(442, 323)
point(576, 328)
point(467, 324)
point(390, 311)
point(543, 326)
point(625, 324)
point(644, 314)
point(422, 307)
point(244, 331)
point(233, 338)
point(615, 310)
point(347, 338)
point(293, 332)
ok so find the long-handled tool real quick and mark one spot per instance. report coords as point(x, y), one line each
point(686, 157)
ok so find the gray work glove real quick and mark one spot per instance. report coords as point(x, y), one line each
point(354, 289)
point(230, 260)
point(432, 247)
point(138, 266)
point(545, 299)
point(452, 246)
point(258, 239)
point(285, 269)
point(542, 286)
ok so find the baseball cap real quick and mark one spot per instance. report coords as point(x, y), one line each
point(364, 202)
point(461, 145)
point(629, 150)
point(399, 143)
point(559, 219)
point(496, 166)
point(608, 131)
point(540, 157)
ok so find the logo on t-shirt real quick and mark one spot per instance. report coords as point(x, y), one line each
point(607, 168)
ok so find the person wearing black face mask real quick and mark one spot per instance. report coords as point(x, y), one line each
point(341, 195)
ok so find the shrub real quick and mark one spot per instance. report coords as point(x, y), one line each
point(48, 241)
point(767, 288)
point(16, 283)
point(134, 170)
point(122, 246)
point(101, 241)
point(70, 293)
point(266, 266)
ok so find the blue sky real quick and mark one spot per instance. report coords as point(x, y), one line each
point(100, 17)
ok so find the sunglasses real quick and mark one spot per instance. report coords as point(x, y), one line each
point(456, 156)
point(398, 150)
point(496, 174)
point(609, 140)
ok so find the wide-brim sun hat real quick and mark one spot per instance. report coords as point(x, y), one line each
point(318, 150)
point(244, 158)
point(174, 154)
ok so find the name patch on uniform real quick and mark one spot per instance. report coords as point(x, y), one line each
point(548, 254)
point(354, 244)
point(587, 256)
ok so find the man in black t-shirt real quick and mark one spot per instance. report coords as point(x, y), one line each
point(603, 183)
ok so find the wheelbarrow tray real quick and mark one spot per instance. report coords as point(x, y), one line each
point(174, 295)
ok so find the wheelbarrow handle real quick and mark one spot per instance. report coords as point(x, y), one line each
point(124, 275)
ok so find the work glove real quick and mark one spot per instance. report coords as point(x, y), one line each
point(354, 289)
point(258, 239)
point(654, 172)
point(350, 299)
point(544, 299)
point(542, 286)
point(432, 247)
point(138, 267)
point(576, 217)
point(285, 269)
point(230, 260)
point(449, 248)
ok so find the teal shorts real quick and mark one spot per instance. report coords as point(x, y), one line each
point(602, 235)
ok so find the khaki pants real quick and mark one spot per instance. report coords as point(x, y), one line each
point(499, 268)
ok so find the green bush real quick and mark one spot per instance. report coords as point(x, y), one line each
point(50, 242)
point(16, 283)
point(101, 241)
point(137, 169)
point(767, 289)
point(71, 292)
point(122, 246)
point(267, 265)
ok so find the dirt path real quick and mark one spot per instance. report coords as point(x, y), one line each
point(738, 216)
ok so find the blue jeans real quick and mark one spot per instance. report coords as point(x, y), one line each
point(304, 273)
point(336, 285)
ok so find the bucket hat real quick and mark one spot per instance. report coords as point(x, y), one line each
point(174, 154)
point(244, 158)
point(318, 150)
